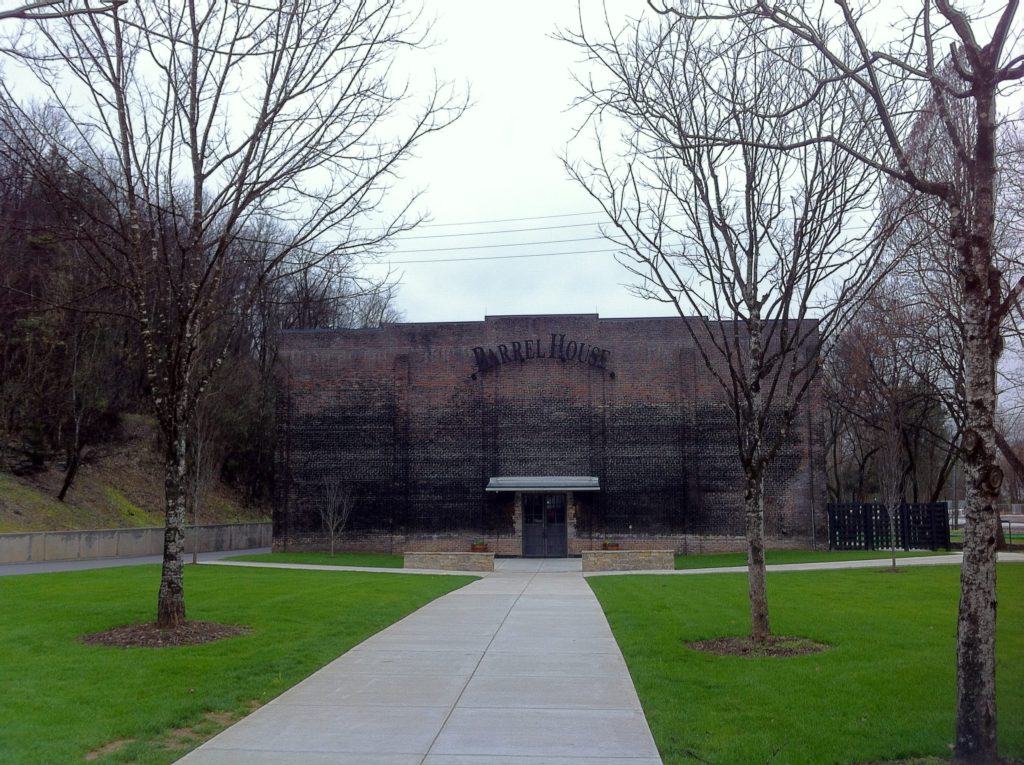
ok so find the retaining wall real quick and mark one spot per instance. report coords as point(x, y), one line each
point(450, 561)
point(628, 560)
point(37, 546)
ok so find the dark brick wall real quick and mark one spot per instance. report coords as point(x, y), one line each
point(418, 421)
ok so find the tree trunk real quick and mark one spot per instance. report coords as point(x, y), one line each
point(976, 621)
point(893, 511)
point(170, 609)
point(75, 451)
point(74, 460)
point(862, 466)
point(753, 501)
point(835, 473)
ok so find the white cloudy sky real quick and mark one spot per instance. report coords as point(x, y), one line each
point(501, 161)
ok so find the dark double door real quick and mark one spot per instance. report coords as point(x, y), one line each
point(544, 530)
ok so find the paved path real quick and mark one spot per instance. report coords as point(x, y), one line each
point(522, 565)
point(923, 560)
point(49, 567)
point(519, 564)
point(518, 668)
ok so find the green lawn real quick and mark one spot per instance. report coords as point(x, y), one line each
point(1016, 538)
point(883, 691)
point(722, 560)
point(61, 699)
point(372, 560)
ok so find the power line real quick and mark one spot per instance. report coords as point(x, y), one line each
point(497, 231)
point(500, 257)
point(506, 244)
point(509, 220)
point(402, 238)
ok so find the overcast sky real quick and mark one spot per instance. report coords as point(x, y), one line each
point(501, 161)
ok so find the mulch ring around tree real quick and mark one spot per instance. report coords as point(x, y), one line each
point(151, 636)
point(774, 646)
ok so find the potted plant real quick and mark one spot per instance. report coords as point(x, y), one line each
point(479, 545)
point(606, 545)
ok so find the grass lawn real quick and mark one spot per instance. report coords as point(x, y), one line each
point(373, 560)
point(883, 691)
point(1016, 538)
point(721, 560)
point(61, 699)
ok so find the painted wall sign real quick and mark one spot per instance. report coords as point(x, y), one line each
point(554, 347)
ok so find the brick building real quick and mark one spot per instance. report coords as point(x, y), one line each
point(541, 435)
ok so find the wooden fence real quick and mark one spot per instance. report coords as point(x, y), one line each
point(865, 526)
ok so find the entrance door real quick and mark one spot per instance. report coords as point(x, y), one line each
point(544, 531)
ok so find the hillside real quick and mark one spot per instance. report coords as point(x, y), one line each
point(119, 486)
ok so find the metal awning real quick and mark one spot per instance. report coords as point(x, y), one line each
point(544, 483)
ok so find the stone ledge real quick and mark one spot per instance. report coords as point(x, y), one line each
point(450, 561)
point(628, 560)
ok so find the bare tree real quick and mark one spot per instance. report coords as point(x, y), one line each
point(898, 77)
point(59, 9)
point(883, 379)
point(203, 459)
point(233, 142)
point(765, 244)
point(335, 502)
point(895, 399)
point(892, 480)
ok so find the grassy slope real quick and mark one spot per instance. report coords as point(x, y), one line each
point(375, 560)
point(721, 560)
point(119, 486)
point(885, 689)
point(60, 699)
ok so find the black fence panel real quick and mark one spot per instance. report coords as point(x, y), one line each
point(865, 526)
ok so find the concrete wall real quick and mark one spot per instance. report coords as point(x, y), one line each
point(126, 543)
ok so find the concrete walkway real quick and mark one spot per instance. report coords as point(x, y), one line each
point(951, 559)
point(54, 566)
point(534, 565)
point(518, 668)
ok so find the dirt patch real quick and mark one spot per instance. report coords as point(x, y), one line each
point(211, 724)
point(184, 733)
point(775, 646)
point(181, 738)
point(224, 719)
point(109, 748)
point(151, 636)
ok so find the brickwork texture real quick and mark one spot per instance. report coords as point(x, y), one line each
point(418, 417)
point(449, 561)
point(629, 560)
